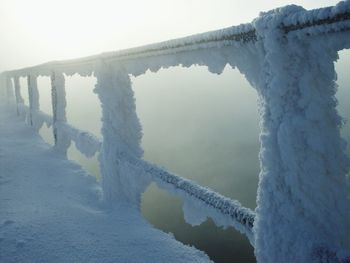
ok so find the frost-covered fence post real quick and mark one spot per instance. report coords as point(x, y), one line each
point(19, 99)
point(58, 96)
point(122, 134)
point(33, 95)
point(303, 204)
point(9, 90)
point(3, 86)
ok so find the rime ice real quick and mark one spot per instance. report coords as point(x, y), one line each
point(287, 55)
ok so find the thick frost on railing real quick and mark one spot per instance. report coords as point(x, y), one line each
point(33, 93)
point(62, 142)
point(287, 54)
point(303, 191)
point(21, 109)
point(121, 131)
point(318, 21)
point(200, 202)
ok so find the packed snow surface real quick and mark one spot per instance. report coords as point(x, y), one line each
point(51, 210)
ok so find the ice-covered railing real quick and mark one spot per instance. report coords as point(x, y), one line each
point(288, 55)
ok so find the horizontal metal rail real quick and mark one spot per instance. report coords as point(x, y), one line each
point(226, 36)
point(243, 33)
point(318, 22)
point(243, 216)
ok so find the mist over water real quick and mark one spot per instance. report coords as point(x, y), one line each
point(198, 125)
point(203, 127)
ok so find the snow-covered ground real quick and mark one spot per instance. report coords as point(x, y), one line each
point(50, 210)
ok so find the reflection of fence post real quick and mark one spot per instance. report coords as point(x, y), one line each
point(58, 97)
point(302, 203)
point(122, 134)
point(33, 95)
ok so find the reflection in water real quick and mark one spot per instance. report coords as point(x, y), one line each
point(165, 212)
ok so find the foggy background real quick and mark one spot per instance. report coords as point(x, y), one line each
point(199, 125)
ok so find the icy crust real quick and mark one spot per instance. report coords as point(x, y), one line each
point(303, 17)
point(157, 55)
point(214, 58)
point(213, 55)
point(199, 202)
point(121, 131)
point(321, 29)
point(119, 118)
point(302, 202)
point(33, 92)
point(317, 22)
point(58, 97)
point(62, 142)
point(33, 99)
point(217, 38)
point(301, 149)
point(87, 143)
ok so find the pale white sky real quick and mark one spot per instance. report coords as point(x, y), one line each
point(37, 31)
